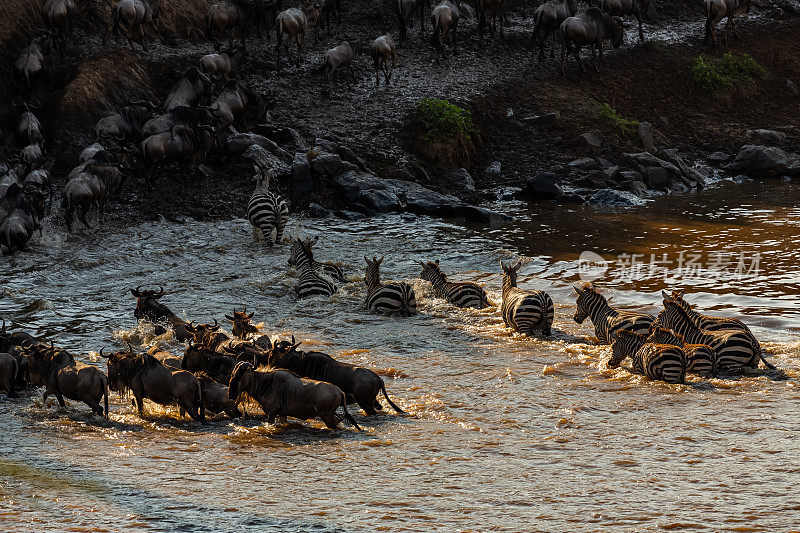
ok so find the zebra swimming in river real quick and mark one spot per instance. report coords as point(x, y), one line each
point(267, 211)
point(388, 298)
point(311, 282)
point(462, 294)
point(296, 255)
point(528, 312)
point(606, 319)
point(666, 362)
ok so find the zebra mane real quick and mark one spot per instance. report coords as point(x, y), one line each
point(682, 314)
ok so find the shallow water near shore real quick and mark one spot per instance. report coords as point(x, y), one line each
point(503, 432)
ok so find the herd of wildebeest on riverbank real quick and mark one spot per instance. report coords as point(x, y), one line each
point(217, 371)
point(200, 110)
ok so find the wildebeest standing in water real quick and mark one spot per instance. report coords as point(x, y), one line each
point(61, 375)
point(90, 184)
point(147, 378)
point(215, 397)
point(405, 15)
point(148, 307)
point(242, 328)
point(21, 212)
point(548, 18)
point(133, 15)
point(444, 20)
point(591, 28)
point(281, 393)
point(294, 22)
point(228, 16)
point(380, 50)
point(340, 56)
point(716, 10)
point(623, 8)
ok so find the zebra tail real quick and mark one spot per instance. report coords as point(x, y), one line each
point(761, 356)
point(385, 395)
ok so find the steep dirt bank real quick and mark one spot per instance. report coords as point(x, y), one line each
point(643, 82)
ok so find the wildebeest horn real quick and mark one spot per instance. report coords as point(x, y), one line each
point(229, 317)
point(250, 316)
point(216, 325)
point(137, 292)
point(228, 349)
point(104, 356)
point(130, 348)
point(160, 292)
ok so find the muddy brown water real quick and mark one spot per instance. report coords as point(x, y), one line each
point(503, 433)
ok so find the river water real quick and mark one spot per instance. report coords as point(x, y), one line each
point(503, 433)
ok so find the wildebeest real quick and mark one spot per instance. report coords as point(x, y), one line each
point(341, 56)
point(623, 8)
point(133, 15)
point(591, 28)
point(208, 335)
point(199, 358)
point(124, 125)
point(22, 209)
point(215, 397)
point(490, 9)
point(31, 156)
point(220, 65)
point(237, 103)
point(148, 307)
point(361, 385)
point(405, 15)
point(90, 152)
point(146, 377)
point(173, 362)
point(190, 90)
point(9, 369)
point(242, 328)
point(183, 145)
point(57, 14)
point(30, 61)
point(326, 7)
point(548, 18)
point(716, 10)
point(29, 129)
point(444, 19)
point(188, 116)
point(293, 22)
point(281, 393)
point(229, 16)
point(90, 184)
point(64, 377)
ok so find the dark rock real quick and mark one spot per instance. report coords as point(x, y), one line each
point(461, 180)
point(636, 187)
point(646, 136)
point(630, 175)
point(302, 184)
point(481, 214)
point(507, 193)
point(692, 177)
point(610, 197)
point(765, 161)
point(542, 186)
point(584, 163)
point(350, 183)
point(350, 215)
point(589, 183)
point(381, 201)
point(348, 155)
point(612, 173)
point(766, 137)
point(657, 173)
point(571, 198)
point(239, 142)
point(203, 171)
point(792, 86)
point(265, 160)
point(790, 6)
point(495, 168)
point(317, 211)
point(587, 143)
point(325, 165)
point(717, 158)
point(543, 121)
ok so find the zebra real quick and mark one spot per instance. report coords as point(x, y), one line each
point(311, 282)
point(732, 349)
point(296, 254)
point(459, 294)
point(656, 361)
point(267, 211)
point(388, 298)
point(699, 357)
point(606, 319)
point(528, 312)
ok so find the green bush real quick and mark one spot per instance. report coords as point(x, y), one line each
point(444, 132)
point(609, 114)
point(729, 72)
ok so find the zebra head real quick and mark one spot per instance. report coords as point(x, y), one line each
point(674, 317)
point(373, 273)
point(430, 271)
point(588, 298)
point(300, 252)
point(625, 344)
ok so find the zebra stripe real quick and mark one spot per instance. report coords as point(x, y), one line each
point(528, 312)
point(608, 321)
point(463, 294)
point(732, 349)
point(389, 298)
point(311, 282)
point(699, 357)
point(655, 361)
point(298, 259)
point(267, 211)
